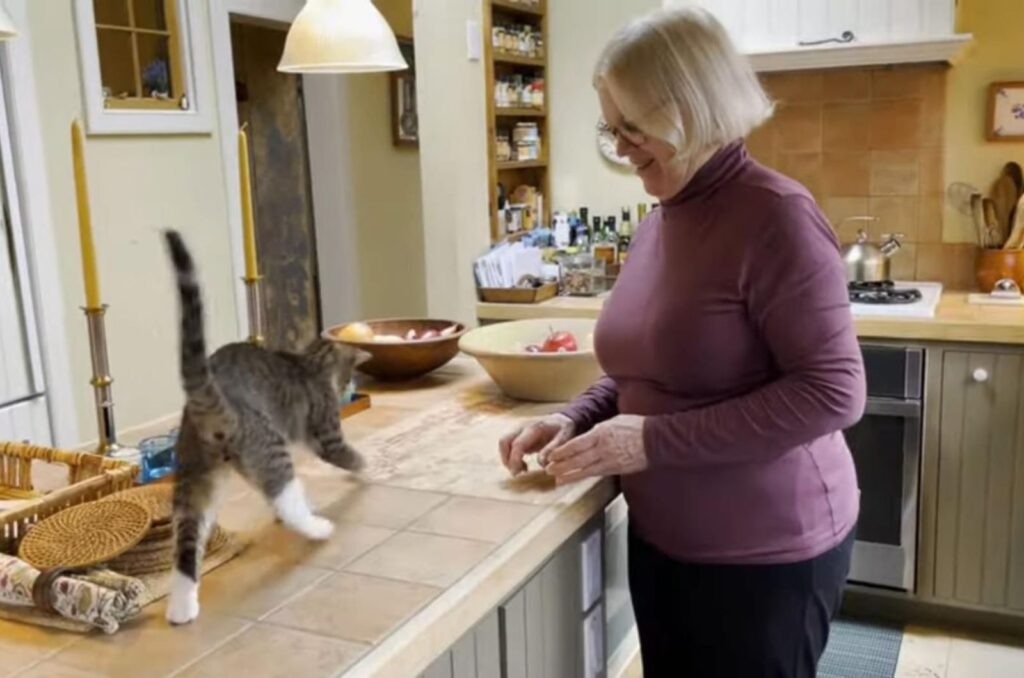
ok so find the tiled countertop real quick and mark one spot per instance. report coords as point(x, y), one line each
point(432, 538)
point(955, 319)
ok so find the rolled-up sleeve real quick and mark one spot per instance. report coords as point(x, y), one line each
point(598, 403)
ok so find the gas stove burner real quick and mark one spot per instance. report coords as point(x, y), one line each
point(882, 292)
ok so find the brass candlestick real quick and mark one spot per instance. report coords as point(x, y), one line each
point(255, 302)
point(101, 381)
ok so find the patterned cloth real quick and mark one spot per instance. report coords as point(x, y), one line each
point(101, 598)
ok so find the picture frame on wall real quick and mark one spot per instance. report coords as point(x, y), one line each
point(404, 118)
point(1005, 111)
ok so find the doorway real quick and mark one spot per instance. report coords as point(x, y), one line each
point(271, 106)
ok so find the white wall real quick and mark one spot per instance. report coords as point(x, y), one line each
point(578, 30)
point(138, 185)
point(453, 154)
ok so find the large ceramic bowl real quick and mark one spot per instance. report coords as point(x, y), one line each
point(408, 359)
point(539, 377)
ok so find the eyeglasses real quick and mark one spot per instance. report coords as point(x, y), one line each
point(628, 133)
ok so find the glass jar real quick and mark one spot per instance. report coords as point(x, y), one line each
point(582, 275)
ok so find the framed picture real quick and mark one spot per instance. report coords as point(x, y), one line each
point(404, 121)
point(1006, 111)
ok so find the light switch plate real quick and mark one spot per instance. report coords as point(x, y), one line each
point(592, 571)
point(474, 46)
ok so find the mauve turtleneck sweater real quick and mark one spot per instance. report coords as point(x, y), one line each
point(729, 329)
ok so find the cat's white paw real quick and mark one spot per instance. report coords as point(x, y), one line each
point(317, 528)
point(183, 602)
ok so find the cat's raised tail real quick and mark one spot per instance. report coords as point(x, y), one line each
point(202, 393)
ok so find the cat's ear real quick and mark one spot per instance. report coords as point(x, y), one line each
point(361, 357)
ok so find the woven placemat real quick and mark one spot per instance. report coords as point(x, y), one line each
point(158, 585)
point(157, 498)
point(84, 535)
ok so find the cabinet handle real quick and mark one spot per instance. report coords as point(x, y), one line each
point(847, 36)
point(980, 375)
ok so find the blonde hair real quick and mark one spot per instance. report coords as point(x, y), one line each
point(677, 76)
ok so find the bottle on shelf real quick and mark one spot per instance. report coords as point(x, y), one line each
point(625, 235)
point(605, 244)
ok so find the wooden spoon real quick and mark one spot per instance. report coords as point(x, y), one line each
point(1016, 238)
point(1005, 195)
point(1017, 174)
point(978, 216)
point(996, 230)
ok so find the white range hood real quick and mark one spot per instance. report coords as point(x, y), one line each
point(785, 35)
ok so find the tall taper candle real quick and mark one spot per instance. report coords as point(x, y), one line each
point(248, 229)
point(92, 281)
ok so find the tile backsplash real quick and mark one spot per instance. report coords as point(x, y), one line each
point(869, 141)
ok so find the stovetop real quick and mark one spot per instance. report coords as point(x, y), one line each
point(885, 292)
point(915, 299)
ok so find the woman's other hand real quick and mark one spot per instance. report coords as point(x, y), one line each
point(538, 437)
point(615, 447)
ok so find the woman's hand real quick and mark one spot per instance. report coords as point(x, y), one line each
point(615, 447)
point(538, 437)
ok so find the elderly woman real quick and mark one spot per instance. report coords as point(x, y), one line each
point(732, 368)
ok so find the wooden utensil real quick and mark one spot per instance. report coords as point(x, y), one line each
point(1004, 195)
point(994, 228)
point(978, 216)
point(1017, 174)
point(1016, 237)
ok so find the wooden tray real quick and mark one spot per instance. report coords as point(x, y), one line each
point(89, 476)
point(518, 295)
point(360, 402)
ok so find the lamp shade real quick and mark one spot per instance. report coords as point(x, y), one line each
point(7, 29)
point(340, 36)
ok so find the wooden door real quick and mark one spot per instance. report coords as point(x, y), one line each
point(271, 105)
point(979, 526)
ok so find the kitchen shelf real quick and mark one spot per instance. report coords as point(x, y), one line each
point(516, 8)
point(504, 178)
point(525, 164)
point(505, 58)
point(511, 112)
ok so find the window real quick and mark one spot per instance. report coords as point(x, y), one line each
point(141, 66)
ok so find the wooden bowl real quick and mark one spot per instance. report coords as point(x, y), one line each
point(535, 377)
point(408, 359)
point(993, 265)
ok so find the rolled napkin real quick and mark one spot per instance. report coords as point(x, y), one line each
point(100, 599)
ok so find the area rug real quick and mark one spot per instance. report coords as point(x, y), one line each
point(859, 650)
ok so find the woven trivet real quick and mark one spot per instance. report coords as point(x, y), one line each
point(159, 532)
point(143, 560)
point(157, 498)
point(84, 535)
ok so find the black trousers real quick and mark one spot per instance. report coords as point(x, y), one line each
point(743, 621)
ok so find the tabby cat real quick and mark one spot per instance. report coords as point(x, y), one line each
point(246, 406)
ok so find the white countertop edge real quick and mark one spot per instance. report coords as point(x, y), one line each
point(419, 640)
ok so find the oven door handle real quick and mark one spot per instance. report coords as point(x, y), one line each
point(885, 407)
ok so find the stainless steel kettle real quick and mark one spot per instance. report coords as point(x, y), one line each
point(866, 261)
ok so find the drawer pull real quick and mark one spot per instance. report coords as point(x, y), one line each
point(980, 375)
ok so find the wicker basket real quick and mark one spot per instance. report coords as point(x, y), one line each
point(89, 477)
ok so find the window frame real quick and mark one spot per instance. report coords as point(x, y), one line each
point(125, 118)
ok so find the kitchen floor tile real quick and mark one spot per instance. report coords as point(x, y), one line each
point(974, 658)
point(924, 653)
point(381, 506)
point(258, 651)
point(422, 558)
point(353, 607)
point(149, 646)
point(480, 519)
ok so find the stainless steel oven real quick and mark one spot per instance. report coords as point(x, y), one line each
point(886, 447)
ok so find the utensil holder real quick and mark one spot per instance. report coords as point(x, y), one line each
point(992, 265)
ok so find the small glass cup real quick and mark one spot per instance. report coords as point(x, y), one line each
point(157, 457)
